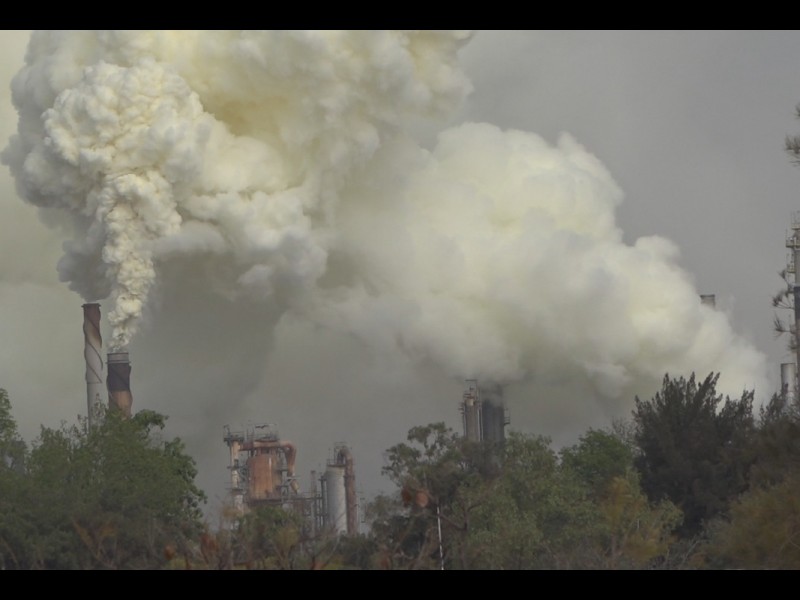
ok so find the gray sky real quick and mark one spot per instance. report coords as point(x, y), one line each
point(690, 125)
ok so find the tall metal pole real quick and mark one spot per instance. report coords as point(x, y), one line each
point(793, 243)
point(796, 294)
point(439, 525)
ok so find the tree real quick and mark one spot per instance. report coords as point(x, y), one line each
point(111, 496)
point(404, 535)
point(440, 481)
point(776, 441)
point(627, 531)
point(694, 448)
point(597, 459)
point(636, 533)
point(269, 537)
point(763, 531)
point(536, 517)
point(12, 447)
point(15, 529)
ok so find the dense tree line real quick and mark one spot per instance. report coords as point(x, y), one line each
point(110, 496)
point(691, 480)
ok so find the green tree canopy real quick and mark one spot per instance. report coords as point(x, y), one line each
point(598, 458)
point(14, 530)
point(763, 531)
point(694, 447)
point(777, 441)
point(516, 506)
point(112, 496)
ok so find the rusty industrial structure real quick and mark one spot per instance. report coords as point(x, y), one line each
point(261, 466)
point(483, 412)
point(262, 473)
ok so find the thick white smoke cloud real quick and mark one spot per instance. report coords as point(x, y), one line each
point(499, 258)
point(231, 142)
point(277, 168)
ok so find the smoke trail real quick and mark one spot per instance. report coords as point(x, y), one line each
point(278, 163)
point(234, 143)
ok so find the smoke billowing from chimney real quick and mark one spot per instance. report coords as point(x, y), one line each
point(119, 383)
point(277, 166)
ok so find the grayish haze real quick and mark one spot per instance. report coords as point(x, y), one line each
point(687, 125)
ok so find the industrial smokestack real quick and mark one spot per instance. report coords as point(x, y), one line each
point(92, 344)
point(119, 382)
point(484, 412)
point(493, 413)
point(709, 300)
point(345, 457)
point(789, 380)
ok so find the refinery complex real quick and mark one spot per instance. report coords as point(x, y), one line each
point(262, 463)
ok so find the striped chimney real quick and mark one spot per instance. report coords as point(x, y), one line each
point(92, 344)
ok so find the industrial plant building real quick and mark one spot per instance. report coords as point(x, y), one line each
point(262, 473)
